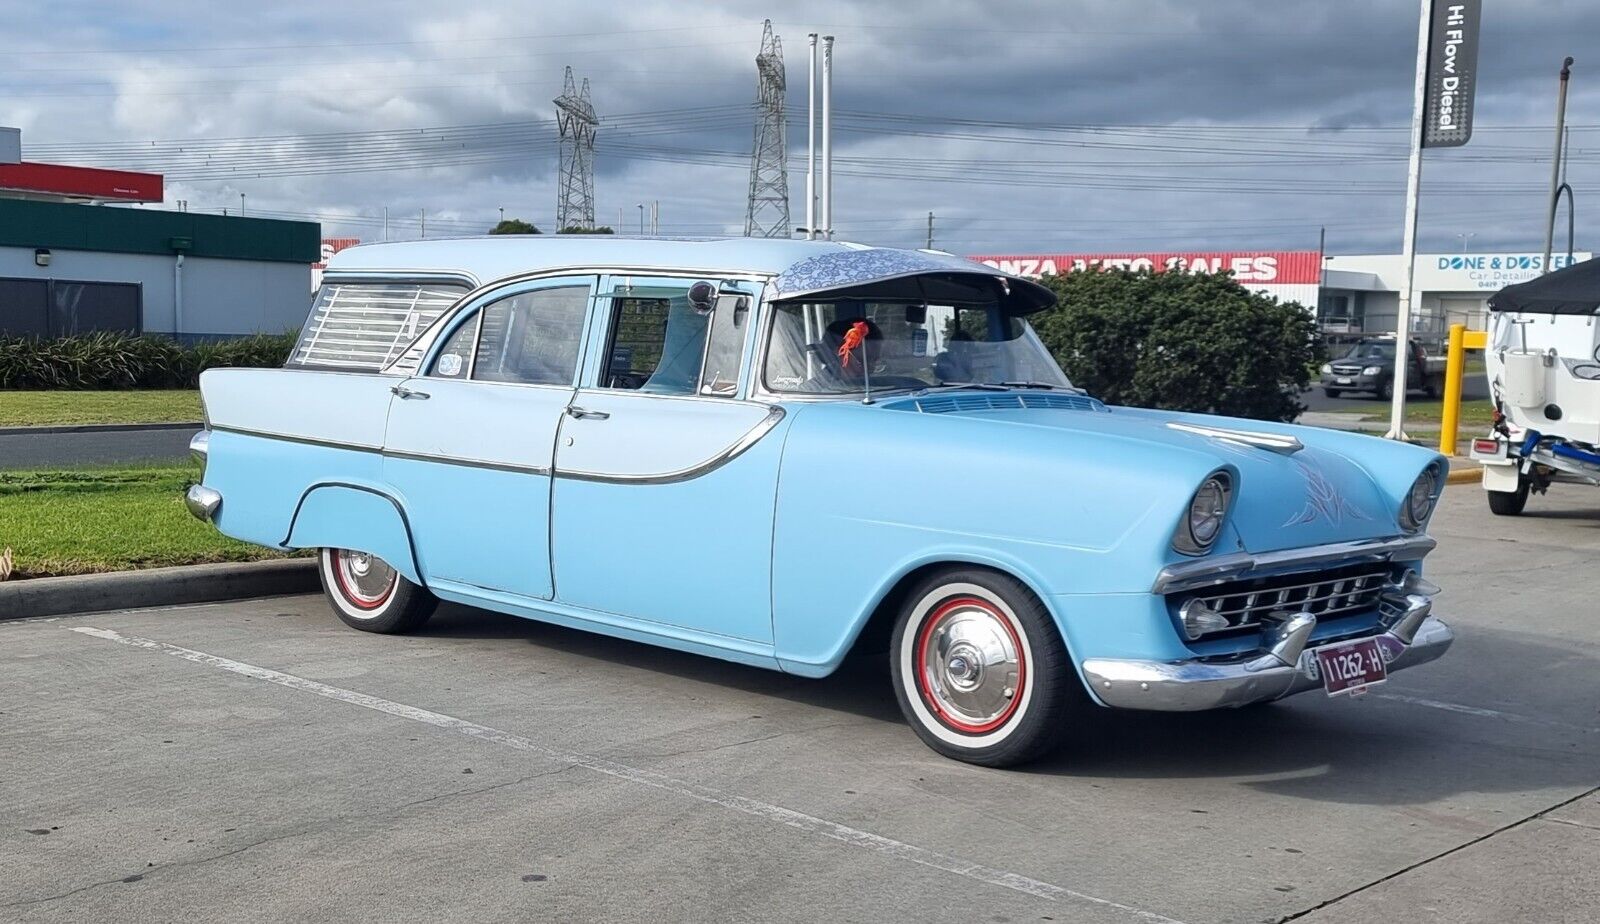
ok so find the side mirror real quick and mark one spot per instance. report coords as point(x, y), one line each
point(703, 297)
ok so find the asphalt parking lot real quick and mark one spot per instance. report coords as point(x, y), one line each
point(258, 761)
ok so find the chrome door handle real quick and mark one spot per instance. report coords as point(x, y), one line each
point(400, 391)
point(582, 414)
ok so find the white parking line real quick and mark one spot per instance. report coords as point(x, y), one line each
point(776, 813)
point(1481, 712)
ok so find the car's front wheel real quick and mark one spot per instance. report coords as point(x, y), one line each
point(369, 594)
point(980, 671)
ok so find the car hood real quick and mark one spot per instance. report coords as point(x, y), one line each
point(1337, 487)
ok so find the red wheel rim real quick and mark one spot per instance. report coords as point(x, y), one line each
point(345, 565)
point(945, 665)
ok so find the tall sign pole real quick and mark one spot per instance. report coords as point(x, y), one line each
point(1441, 116)
point(811, 142)
point(827, 137)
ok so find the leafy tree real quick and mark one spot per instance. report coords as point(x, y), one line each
point(514, 226)
point(1180, 341)
point(574, 229)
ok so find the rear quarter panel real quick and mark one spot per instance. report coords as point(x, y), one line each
point(277, 434)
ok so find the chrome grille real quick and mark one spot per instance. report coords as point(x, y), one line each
point(1323, 594)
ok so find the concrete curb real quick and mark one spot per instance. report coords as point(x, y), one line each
point(1464, 474)
point(121, 590)
point(100, 428)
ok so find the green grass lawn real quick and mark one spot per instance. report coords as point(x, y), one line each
point(79, 521)
point(1473, 413)
point(46, 408)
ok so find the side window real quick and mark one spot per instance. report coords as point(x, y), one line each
point(657, 344)
point(454, 359)
point(531, 338)
point(725, 346)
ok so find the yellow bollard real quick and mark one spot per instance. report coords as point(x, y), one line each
point(1454, 370)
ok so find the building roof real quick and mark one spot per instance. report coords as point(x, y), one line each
point(798, 267)
point(110, 229)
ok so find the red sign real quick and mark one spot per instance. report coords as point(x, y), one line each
point(331, 246)
point(81, 182)
point(1258, 267)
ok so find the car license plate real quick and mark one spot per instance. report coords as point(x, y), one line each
point(1351, 666)
point(1343, 380)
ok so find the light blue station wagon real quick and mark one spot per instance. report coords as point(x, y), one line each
point(777, 452)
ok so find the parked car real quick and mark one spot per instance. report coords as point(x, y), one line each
point(1369, 366)
point(780, 452)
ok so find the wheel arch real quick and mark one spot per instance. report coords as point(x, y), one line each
point(876, 622)
point(362, 517)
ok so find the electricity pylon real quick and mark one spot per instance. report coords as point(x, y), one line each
point(767, 214)
point(575, 186)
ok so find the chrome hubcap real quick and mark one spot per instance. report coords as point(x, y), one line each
point(971, 664)
point(366, 578)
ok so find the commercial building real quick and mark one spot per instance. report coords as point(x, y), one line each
point(70, 268)
point(1361, 293)
point(1352, 295)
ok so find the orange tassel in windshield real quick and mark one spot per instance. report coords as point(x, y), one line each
point(854, 337)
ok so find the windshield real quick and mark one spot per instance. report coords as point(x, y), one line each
point(1370, 351)
point(843, 345)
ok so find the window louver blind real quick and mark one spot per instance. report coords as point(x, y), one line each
point(362, 326)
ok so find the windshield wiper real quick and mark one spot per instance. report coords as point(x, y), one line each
point(1045, 385)
point(998, 386)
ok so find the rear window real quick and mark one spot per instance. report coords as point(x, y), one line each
point(363, 326)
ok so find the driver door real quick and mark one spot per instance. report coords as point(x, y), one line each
point(665, 480)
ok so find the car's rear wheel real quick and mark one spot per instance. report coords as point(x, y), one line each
point(980, 671)
point(368, 594)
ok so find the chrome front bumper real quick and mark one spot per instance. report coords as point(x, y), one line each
point(1287, 666)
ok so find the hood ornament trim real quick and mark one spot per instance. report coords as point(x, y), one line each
point(1272, 442)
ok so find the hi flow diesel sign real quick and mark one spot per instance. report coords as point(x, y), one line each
point(1452, 72)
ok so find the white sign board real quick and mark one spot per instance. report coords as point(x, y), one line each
point(1484, 272)
point(10, 145)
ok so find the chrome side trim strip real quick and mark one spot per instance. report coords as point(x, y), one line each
point(1204, 572)
point(291, 438)
point(467, 463)
point(1274, 442)
point(750, 438)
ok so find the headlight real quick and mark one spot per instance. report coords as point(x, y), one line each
point(1418, 505)
point(1327, 368)
point(1202, 522)
point(1372, 370)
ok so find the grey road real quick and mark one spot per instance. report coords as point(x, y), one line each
point(257, 761)
point(27, 447)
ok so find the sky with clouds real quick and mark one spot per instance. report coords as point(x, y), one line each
point(1024, 126)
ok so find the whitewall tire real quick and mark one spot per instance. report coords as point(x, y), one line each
point(980, 670)
point(367, 593)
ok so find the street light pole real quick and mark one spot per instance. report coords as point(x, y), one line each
point(1555, 164)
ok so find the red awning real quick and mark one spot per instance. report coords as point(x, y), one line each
point(62, 182)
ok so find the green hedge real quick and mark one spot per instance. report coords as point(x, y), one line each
point(105, 361)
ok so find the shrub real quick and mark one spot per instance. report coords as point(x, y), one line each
point(1180, 341)
point(107, 361)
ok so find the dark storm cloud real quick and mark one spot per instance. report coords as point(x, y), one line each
point(1275, 102)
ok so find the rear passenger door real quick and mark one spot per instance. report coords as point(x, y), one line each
point(471, 438)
